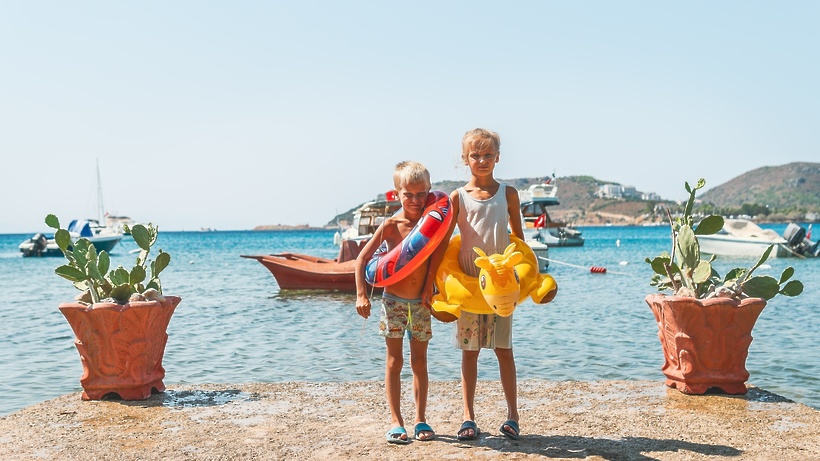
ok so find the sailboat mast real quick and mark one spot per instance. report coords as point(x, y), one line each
point(100, 206)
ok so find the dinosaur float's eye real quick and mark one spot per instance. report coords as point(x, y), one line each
point(483, 281)
point(517, 280)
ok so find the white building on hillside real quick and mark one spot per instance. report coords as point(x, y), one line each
point(618, 191)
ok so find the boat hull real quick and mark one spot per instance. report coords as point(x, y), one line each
point(30, 247)
point(739, 247)
point(106, 243)
point(555, 236)
point(294, 271)
point(542, 255)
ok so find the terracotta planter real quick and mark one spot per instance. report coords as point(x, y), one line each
point(705, 342)
point(121, 346)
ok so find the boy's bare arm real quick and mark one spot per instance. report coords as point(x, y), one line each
point(362, 298)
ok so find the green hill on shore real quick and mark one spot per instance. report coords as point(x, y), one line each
point(783, 193)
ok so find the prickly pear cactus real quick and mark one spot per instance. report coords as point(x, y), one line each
point(686, 274)
point(89, 271)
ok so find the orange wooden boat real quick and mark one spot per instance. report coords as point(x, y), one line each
point(296, 271)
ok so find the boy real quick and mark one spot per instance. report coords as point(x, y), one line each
point(402, 309)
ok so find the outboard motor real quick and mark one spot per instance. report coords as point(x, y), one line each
point(795, 235)
point(38, 245)
point(40, 242)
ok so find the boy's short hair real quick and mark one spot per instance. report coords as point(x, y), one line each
point(479, 139)
point(409, 172)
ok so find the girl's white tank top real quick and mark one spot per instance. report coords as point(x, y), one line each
point(482, 224)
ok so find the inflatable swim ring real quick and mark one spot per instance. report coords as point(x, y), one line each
point(504, 281)
point(387, 267)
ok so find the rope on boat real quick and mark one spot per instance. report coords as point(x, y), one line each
point(793, 253)
point(593, 269)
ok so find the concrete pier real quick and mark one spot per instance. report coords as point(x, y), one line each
point(605, 420)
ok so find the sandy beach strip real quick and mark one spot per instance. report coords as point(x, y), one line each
point(604, 420)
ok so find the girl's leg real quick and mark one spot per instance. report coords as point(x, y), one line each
point(469, 377)
point(418, 363)
point(506, 368)
point(392, 379)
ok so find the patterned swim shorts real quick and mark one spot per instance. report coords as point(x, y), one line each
point(473, 332)
point(399, 315)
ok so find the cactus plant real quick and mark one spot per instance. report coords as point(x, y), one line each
point(686, 274)
point(89, 271)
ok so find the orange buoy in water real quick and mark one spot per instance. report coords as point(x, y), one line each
point(597, 270)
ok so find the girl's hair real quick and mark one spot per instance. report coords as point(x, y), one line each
point(479, 139)
point(409, 172)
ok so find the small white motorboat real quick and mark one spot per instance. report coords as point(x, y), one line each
point(104, 238)
point(741, 237)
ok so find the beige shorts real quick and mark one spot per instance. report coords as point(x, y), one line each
point(474, 332)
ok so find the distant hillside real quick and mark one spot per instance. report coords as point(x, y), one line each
point(791, 186)
point(790, 190)
point(580, 205)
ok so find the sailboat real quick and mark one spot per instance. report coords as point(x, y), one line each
point(116, 223)
point(104, 237)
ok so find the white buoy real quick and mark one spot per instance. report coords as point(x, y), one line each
point(618, 242)
point(623, 263)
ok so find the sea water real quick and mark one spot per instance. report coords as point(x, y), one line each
point(234, 324)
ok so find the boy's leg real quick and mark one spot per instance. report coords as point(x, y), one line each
point(392, 379)
point(418, 363)
point(506, 368)
point(469, 378)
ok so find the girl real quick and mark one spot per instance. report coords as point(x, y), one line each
point(483, 209)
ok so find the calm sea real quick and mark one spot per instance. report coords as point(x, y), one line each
point(235, 325)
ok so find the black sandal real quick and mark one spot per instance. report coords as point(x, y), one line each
point(514, 432)
point(466, 426)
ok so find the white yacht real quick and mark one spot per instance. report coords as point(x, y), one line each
point(538, 226)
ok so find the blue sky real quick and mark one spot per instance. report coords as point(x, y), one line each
point(233, 114)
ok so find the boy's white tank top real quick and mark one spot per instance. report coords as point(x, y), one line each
point(482, 224)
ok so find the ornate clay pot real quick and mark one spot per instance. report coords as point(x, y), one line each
point(121, 346)
point(705, 342)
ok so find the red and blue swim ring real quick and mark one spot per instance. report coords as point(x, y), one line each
point(388, 267)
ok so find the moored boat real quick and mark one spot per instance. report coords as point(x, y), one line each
point(743, 238)
point(102, 237)
point(367, 217)
point(542, 254)
point(40, 245)
point(119, 223)
point(297, 271)
point(538, 226)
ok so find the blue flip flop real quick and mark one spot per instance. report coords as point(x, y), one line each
point(423, 427)
point(394, 436)
point(514, 433)
point(467, 425)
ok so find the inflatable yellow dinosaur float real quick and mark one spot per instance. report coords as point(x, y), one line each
point(505, 280)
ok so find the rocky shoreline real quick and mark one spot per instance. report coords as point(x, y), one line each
point(604, 420)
